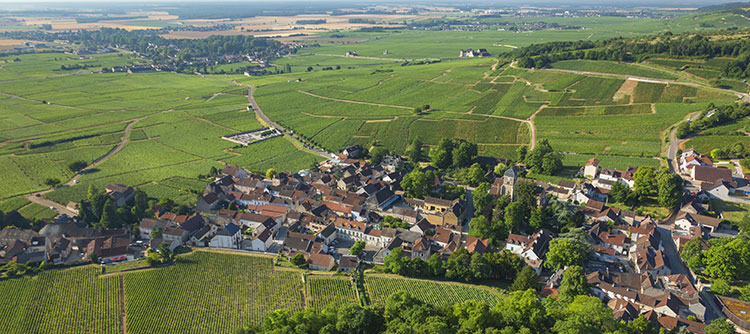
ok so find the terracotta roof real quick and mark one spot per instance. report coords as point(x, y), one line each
point(322, 260)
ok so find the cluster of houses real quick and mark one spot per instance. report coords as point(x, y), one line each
point(710, 180)
point(345, 201)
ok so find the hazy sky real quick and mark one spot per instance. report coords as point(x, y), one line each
point(651, 3)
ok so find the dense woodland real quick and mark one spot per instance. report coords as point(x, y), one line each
point(689, 45)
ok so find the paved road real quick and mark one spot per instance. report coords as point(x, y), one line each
point(674, 164)
point(268, 121)
point(738, 171)
point(678, 267)
point(48, 203)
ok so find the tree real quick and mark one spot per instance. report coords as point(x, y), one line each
point(417, 184)
point(543, 159)
point(641, 325)
point(465, 154)
point(644, 181)
point(473, 175)
point(52, 182)
point(691, 253)
point(414, 151)
point(92, 193)
point(480, 227)
point(396, 262)
point(586, 314)
point(298, 260)
point(270, 173)
point(77, 166)
point(522, 151)
point(574, 282)
point(514, 213)
point(458, 267)
point(357, 248)
point(669, 187)
point(728, 258)
point(622, 193)
point(377, 154)
point(526, 279)
point(108, 217)
point(720, 326)
point(436, 265)
point(524, 193)
point(500, 169)
point(155, 233)
point(720, 286)
point(565, 252)
point(442, 154)
point(482, 199)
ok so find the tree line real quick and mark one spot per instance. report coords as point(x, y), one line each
point(687, 45)
point(518, 312)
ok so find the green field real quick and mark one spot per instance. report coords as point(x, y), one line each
point(320, 291)
point(175, 122)
point(66, 301)
point(221, 291)
point(436, 293)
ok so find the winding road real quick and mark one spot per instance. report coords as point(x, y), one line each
point(38, 197)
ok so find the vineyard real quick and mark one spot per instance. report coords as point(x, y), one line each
point(65, 301)
point(208, 292)
point(435, 293)
point(321, 291)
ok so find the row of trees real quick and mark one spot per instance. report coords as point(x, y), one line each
point(518, 312)
point(693, 45)
point(461, 266)
point(453, 153)
point(721, 115)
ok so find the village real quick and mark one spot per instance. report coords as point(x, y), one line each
point(320, 217)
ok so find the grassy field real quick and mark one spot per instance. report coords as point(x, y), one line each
point(379, 287)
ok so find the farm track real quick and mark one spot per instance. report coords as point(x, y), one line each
point(123, 315)
point(356, 102)
point(37, 197)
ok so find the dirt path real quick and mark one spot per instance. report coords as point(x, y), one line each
point(37, 197)
point(356, 102)
point(360, 57)
point(123, 315)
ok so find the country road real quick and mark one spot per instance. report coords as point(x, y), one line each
point(38, 197)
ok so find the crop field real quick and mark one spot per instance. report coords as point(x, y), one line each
point(61, 301)
point(175, 126)
point(710, 142)
point(320, 291)
point(628, 135)
point(223, 292)
point(432, 292)
point(612, 67)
